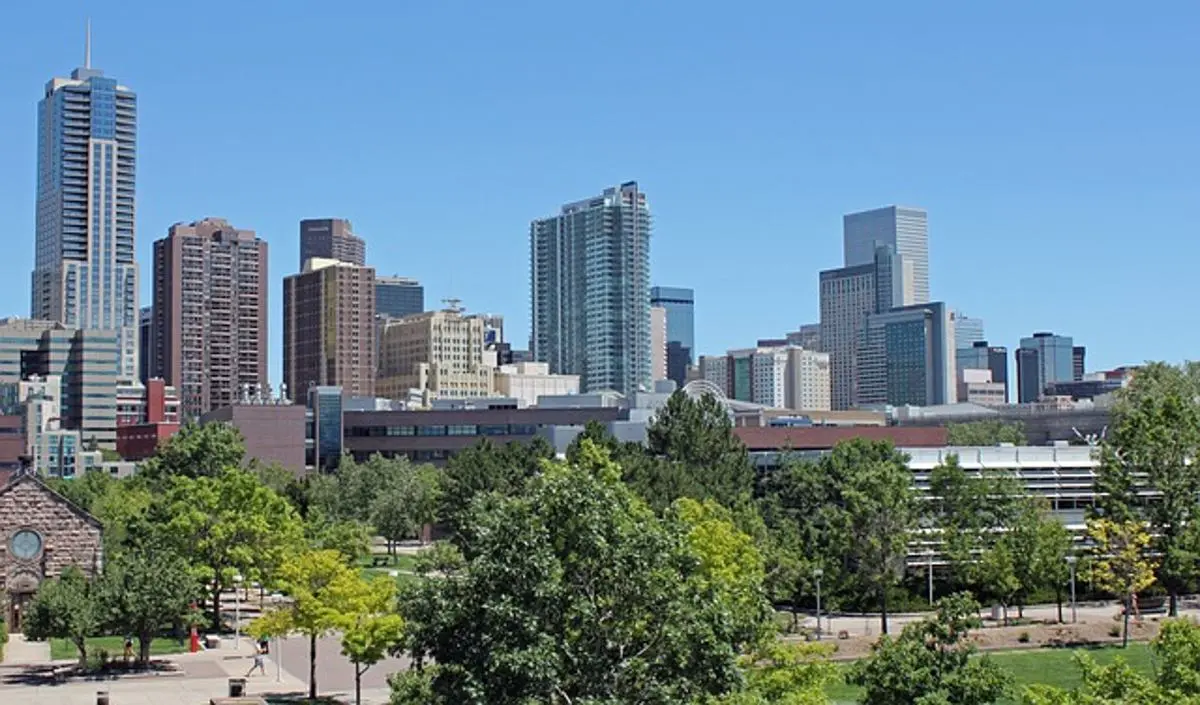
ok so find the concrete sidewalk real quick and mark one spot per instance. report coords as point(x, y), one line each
point(19, 652)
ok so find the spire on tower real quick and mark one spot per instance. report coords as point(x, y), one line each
point(87, 45)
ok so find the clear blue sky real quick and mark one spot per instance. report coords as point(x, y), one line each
point(1055, 145)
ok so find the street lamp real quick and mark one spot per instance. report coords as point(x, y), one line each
point(1071, 560)
point(817, 573)
point(237, 612)
point(929, 562)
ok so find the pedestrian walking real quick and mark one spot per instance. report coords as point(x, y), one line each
point(259, 662)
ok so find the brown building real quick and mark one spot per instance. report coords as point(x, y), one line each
point(209, 327)
point(331, 238)
point(41, 535)
point(759, 439)
point(146, 417)
point(329, 328)
point(274, 432)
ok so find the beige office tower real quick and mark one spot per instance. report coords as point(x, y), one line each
point(437, 352)
point(208, 329)
point(658, 342)
point(329, 328)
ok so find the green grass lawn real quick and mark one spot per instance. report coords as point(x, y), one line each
point(403, 563)
point(1047, 666)
point(61, 649)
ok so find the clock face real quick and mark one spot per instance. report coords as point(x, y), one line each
point(26, 544)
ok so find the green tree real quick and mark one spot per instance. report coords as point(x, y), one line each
point(197, 451)
point(691, 451)
point(228, 523)
point(968, 509)
point(1055, 543)
point(144, 591)
point(932, 663)
point(1121, 564)
point(349, 538)
point(67, 607)
point(877, 513)
point(1147, 470)
point(406, 503)
point(317, 584)
point(370, 626)
point(997, 571)
point(486, 468)
point(574, 591)
point(985, 433)
point(779, 673)
point(730, 565)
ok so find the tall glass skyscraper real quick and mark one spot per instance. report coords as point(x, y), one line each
point(1042, 359)
point(906, 230)
point(590, 290)
point(84, 272)
point(680, 305)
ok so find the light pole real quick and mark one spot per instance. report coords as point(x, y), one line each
point(817, 573)
point(929, 562)
point(1071, 560)
point(237, 613)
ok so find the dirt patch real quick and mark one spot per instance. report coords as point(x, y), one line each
point(1026, 636)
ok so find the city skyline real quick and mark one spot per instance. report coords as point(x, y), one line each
point(957, 223)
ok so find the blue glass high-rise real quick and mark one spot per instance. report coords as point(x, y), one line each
point(680, 305)
point(84, 272)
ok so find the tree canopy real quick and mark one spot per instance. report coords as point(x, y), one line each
point(985, 433)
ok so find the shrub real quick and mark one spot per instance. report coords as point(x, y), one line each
point(3, 637)
point(1114, 631)
point(1023, 637)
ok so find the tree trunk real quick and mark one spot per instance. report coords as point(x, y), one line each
point(883, 612)
point(144, 647)
point(1173, 598)
point(1125, 632)
point(81, 646)
point(1021, 610)
point(795, 617)
point(312, 667)
point(216, 597)
point(358, 685)
point(1058, 599)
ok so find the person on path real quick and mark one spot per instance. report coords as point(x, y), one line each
point(259, 663)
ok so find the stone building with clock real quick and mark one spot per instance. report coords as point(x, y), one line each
point(41, 535)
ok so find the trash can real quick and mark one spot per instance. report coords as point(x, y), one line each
point(237, 687)
point(997, 613)
point(101, 697)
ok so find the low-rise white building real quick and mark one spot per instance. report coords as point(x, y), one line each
point(975, 386)
point(526, 381)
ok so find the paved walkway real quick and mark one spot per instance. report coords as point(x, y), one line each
point(19, 652)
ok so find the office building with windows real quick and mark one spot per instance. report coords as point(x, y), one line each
point(658, 342)
point(680, 305)
point(847, 296)
point(209, 334)
point(84, 274)
point(396, 297)
point(1042, 359)
point(145, 325)
point(329, 328)
point(808, 337)
point(981, 356)
point(590, 290)
point(907, 357)
point(439, 353)
point(331, 238)
point(1078, 362)
point(906, 230)
point(967, 330)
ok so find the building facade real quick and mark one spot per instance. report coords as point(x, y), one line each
point(975, 386)
point(209, 336)
point(331, 238)
point(680, 304)
point(807, 337)
point(85, 360)
point(274, 431)
point(658, 342)
point(528, 381)
point(1078, 363)
point(590, 290)
point(967, 330)
point(396, 297)
point(438, 352)
point(329, 328)
point(907, 357)
point(147, 416)
point(847, 296)
point(981, 356)
point(905, 230)
point(1042, 359)
point(85, 275)
point(145, 342)
point(808, 381)
point(41, 535)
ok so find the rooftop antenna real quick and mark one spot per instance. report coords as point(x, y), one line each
point(87, 46)
point(453, 304)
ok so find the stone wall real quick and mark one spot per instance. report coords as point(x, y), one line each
point(69, 536)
